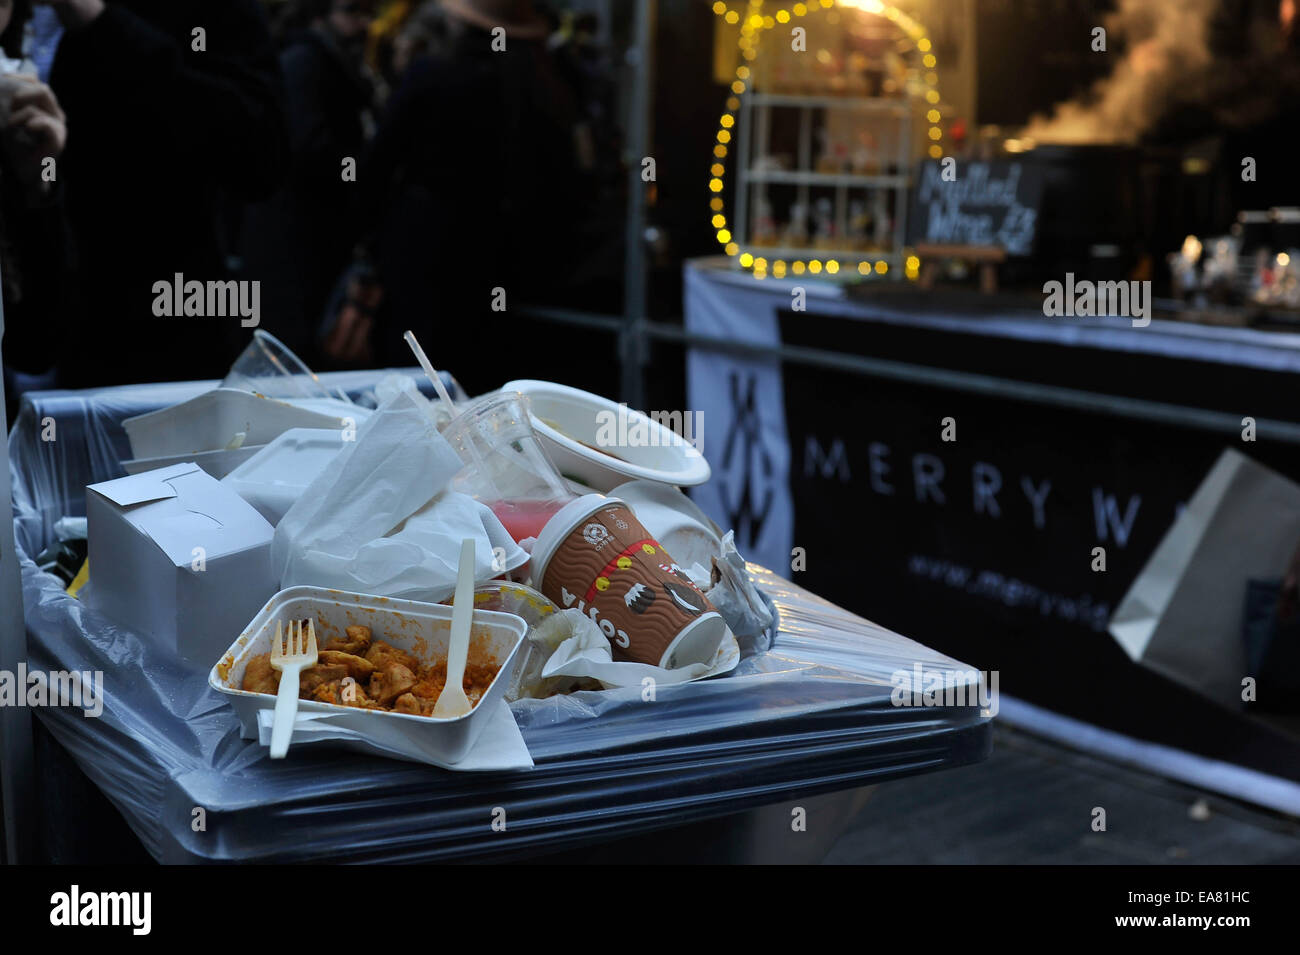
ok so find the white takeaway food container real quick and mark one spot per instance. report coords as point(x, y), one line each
point(215, 419)
point(178, 558)
point(571, 425)
point(418, 628)
point(273, 479)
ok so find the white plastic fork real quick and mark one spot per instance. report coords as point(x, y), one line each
point(301, 652)
point(452, 701)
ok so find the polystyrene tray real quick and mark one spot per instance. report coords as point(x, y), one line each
point(418, 628)
point(273, 479)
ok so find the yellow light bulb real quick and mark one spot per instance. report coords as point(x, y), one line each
point(715, 185)
point(732, 17)
point(719, 221)
point(783, 16)
point(719, 8)
point(929, 60)
point(798, 268)
point(864, 268)
point(923, 44)
point(882, 267)
point(832, 267)
point(727, 120)
point(936, 152)
point(746, 260)
point(814, 266)
point(724, 236)
point(731, 248)
point(936, 132)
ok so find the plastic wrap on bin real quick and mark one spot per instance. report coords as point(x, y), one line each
point(812, 714)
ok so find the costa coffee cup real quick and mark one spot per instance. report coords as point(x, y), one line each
point(596, 557)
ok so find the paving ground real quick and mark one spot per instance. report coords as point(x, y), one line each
point(1032, 802)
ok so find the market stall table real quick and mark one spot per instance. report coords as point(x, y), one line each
point(812, 715)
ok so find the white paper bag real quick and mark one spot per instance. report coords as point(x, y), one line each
point(1182, 615)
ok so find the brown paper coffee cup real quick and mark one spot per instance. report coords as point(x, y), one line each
point(594, 556)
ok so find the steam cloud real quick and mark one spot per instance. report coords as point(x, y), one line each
point(1167, 58)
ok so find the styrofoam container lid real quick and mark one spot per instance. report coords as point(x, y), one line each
point(274, 478)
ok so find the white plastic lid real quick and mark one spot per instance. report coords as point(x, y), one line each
point(559, 527)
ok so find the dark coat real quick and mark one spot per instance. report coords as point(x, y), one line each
point(474, 184)
point(299, 241)
point(158, 135)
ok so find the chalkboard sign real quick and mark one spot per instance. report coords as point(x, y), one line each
point(990, 203)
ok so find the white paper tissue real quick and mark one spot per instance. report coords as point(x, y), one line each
point(380, 521)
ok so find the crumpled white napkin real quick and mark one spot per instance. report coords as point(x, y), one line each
point(586, 653)
point(500, 746)
point(378, 520)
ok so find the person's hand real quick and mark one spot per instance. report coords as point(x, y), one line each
point(36, 128)
point(75, 13)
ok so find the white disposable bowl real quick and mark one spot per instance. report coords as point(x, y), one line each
point(665, 457)
point(418, 628)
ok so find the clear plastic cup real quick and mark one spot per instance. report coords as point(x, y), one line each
point(268, 367)
point(505, 465)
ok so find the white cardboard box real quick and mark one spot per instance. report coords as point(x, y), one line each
point(178, 557)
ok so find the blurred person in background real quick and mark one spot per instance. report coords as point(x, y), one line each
point(174, 103)
point(474, 183)
point(34, 244)
point(301, 240)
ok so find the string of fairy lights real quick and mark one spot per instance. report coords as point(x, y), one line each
point(752, 23)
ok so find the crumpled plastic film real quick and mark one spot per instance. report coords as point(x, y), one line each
point(811, 714)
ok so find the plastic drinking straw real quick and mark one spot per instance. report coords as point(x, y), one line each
point(432, 374)
point(423, 359)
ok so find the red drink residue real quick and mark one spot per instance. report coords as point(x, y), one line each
point(524, 519)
